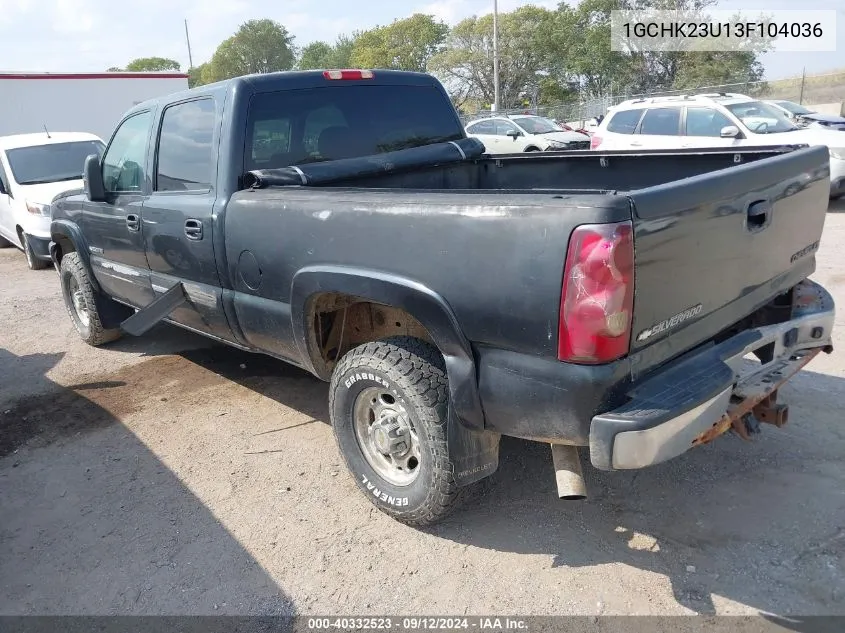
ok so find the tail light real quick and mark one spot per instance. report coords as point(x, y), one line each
point(596, 302)
point(348, 74)
point(595, 141)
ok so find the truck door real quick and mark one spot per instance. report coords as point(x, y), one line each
point(113, 227)
point(178, 215)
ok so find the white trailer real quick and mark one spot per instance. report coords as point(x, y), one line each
point(77, 102)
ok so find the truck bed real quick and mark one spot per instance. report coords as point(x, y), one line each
point(507, 221)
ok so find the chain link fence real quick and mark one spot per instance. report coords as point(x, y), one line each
point(827, 90)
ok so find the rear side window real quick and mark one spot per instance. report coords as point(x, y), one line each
point(624, 121)
point(185, 156)
point(482, 127)
point(661, 122)
point(345, 121)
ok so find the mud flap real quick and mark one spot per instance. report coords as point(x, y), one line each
point(475, 454)
point(147, 317)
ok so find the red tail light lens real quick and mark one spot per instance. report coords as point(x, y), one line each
point(595, 141)
point(348, 74)
point(597, 299)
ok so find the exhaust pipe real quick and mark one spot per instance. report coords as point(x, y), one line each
point(568, 475)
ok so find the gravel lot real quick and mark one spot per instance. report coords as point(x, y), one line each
point(169, 475)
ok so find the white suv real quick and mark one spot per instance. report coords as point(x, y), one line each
point(511, 134)
point(712, 120)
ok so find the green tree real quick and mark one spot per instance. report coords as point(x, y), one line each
point(406, 44)
point(259, 46)
point(320, 55)
point(465, 66)
point(151, 64)
point(195, 76)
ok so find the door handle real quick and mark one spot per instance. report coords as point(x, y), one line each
point(133, 222)
point(758, 214)
point(193, 229)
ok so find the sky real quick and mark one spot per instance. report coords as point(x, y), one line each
point(93, 35)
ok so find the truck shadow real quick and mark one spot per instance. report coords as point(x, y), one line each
point(837, 206)
point(758, 523)
point(93, 522)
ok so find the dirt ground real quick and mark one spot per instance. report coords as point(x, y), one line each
point(169, 475)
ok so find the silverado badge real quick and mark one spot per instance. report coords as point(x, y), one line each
point(669, 323)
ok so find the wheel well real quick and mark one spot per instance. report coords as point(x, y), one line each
point(63, 246)
point(339, 322)
point(532, 148)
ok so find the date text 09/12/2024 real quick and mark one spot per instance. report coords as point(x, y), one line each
point(416, 623)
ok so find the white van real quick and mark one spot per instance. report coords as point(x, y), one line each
point(34, 168)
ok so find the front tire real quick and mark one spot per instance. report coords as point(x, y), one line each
point(4, 243)
point(31, 260)
point(81, 302)
point(389, 404)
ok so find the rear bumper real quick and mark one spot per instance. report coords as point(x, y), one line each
point(670, 410)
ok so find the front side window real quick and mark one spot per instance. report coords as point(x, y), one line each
point(661, 122)
point(503, 127)
point(706, 122)
point(761, 118)
point(185, 155)
point(536, 125)
point(55, 162)
point(123, 163)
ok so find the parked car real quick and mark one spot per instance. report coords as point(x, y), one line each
point(450, 298)
point(804, 117)
point(713, 120)
point(33, 169)
point(511, 134)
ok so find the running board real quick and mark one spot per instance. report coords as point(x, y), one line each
point(145, 318)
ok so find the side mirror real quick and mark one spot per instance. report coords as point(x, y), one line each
point(513, 134)
point(729, 131)
point(92, 179)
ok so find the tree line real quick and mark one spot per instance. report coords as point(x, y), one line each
point(546, 56)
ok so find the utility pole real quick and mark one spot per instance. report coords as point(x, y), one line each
point(188, 40)
point(495, 55)
point(803, 79)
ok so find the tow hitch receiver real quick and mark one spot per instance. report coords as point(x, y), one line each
point(761, 404)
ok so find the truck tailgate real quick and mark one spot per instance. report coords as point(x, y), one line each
point(711, 249)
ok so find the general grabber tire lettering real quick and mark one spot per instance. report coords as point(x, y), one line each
point(81, 302)
point(388, 403)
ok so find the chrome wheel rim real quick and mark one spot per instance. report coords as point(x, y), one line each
point(386, 436)
point(78, 301)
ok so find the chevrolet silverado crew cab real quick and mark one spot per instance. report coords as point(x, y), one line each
point(343, 222)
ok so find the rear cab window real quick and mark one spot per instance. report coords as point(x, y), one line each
point(335, 122)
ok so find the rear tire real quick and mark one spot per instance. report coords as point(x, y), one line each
point(389, 403)
point(81, 299)
point(31, 260)
point(532, 149)
point(4, 243)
